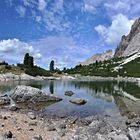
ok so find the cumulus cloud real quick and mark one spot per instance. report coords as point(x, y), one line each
point(21, 11)
point(63, 49)
point(120, 25)
point(13, 50)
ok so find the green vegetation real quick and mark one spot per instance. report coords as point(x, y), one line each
point(32, 70)
point(132, 68)
point(37, 71)
point(27, 67)
point(107, 68)
point(10, 69)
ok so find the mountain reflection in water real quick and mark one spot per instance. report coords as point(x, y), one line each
point(103, 97)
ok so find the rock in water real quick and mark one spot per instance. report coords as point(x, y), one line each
point(24, 94)
point(69, 93)
point(78, 101)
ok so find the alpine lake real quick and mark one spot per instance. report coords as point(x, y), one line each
point(112, 98)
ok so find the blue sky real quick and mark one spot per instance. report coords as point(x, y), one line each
point(67, 31)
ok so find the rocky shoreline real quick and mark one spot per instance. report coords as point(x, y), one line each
point(16, 125)
point(25, 77)
point(21, 124)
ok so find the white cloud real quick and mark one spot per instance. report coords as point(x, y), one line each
point(38, 18)
point(59, 4)
point(63, 49)
point(21, 10)
point(26, 2)
point(130, 8)
point(121, 6)
point(89, 6)
point(120, 25)
point(42, 5)
point(14, 50)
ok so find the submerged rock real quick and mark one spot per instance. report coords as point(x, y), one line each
point(69, 93)
point(78, 101)
point(23, 94)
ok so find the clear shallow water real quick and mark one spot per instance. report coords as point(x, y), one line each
point(103, 97)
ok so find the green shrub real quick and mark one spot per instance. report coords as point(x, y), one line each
point(37, 71)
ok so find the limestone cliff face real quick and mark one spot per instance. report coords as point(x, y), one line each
point(130, 44)
point(99, 57)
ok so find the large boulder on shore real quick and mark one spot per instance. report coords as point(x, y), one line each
point(4, 100)
point(23, 94)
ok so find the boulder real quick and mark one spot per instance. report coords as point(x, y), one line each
point(69, 93)
point(78, 101)
point(25, 94)
point(13, 107)
point(4, 100)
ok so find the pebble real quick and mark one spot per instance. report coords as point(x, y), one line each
point(31, 115)
point(38, 137)
point(8, 134)
point(51, 128)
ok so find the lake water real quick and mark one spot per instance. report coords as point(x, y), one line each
point(103, 97)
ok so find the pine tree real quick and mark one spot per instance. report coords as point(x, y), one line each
point(31, 61)
point(26, 59)
point(52, 65)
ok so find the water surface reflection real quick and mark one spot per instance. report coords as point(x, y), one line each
point(103, 97)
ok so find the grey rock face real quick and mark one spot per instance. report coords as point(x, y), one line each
point(23, 94)
point(99, 57)
point(78, 101)
point(130, 44)
point(133, 135)
point(119, 137)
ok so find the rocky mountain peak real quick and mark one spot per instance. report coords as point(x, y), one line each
point(99, 57)
point(131, 43)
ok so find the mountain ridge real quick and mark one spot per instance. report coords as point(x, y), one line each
point(98, 57)
point(129, 44)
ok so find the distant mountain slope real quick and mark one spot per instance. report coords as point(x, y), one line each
point(99, 57)
point(128, 66)
point(130, 44)
point(126, 60)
